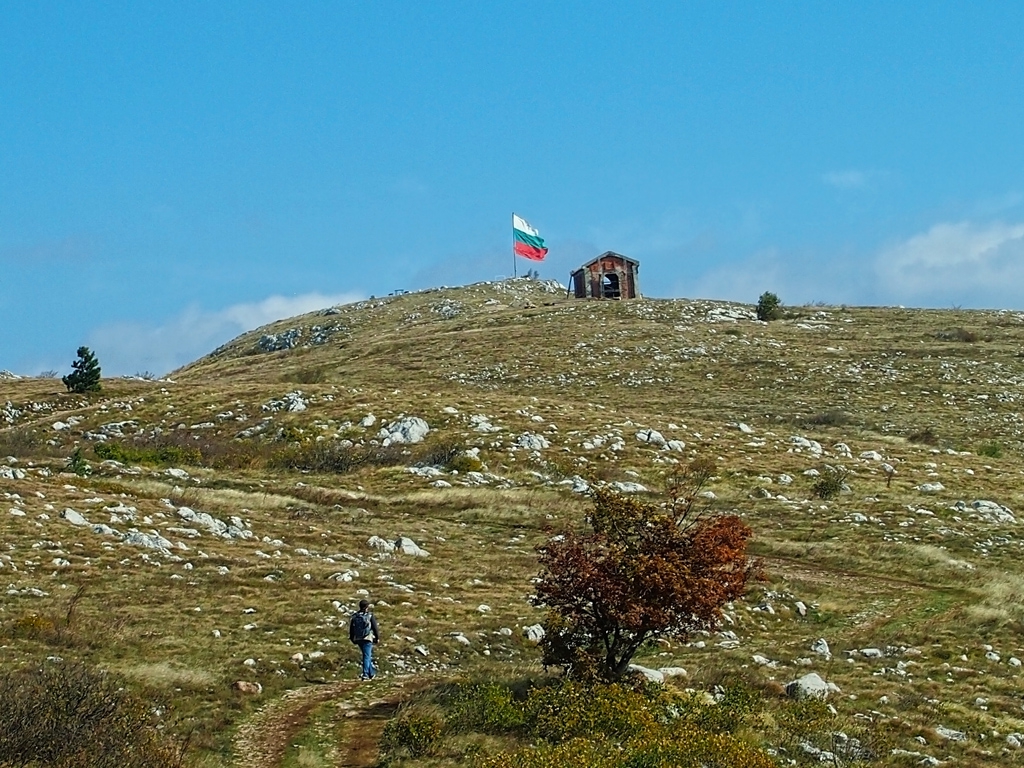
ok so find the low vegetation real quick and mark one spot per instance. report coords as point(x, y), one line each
point(220, 521)
point(65, 714)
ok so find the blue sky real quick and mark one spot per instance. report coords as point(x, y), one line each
point(174, 174)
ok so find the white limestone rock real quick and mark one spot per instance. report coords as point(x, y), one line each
point(628, 487)
point(532, 442)
point(534, 633)
point(810, 686)
point(407, 546)
point(950, 734)
point(408, 429)
point(820, 647)
point(652, 675)
point(651, 437)
point(994, 512)
point(73, 517)
point(381, 545)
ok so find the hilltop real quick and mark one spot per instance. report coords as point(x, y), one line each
point(223, 532)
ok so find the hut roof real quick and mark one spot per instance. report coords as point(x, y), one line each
point(611, 254)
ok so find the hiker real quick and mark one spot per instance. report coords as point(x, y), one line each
point(363, 631)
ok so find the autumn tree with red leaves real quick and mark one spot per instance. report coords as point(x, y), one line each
point(641, 571)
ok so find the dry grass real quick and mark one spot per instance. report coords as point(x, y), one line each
point(870, 565)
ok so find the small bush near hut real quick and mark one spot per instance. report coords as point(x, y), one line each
point(768, 307)
point(85, 374)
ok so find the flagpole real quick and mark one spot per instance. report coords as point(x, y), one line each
point(514, 265)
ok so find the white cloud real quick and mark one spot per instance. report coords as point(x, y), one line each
point(132, 347)
point(852, 178)
point(797, 277)
point(951, 264)
point(962, 263)
point(846, 179)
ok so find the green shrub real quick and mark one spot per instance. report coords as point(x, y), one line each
point(414, 732)
point(76, 463)
point(991, 450)
point(439, 454)
point(571, 710)
point(160, 455)
point(577, 753)
point(464, 463)
point(768, 307)
point(486, 708)
point(63, 714)
point(611, 726)
point(830, 483)
point(686, 748)
point(735, 706)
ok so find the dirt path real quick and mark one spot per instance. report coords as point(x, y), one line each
point(263, 740)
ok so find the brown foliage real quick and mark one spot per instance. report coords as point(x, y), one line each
point(640, 573)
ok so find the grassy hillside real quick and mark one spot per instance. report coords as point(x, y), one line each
point(274, 429)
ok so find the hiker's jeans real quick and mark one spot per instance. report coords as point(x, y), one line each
point(366, 646)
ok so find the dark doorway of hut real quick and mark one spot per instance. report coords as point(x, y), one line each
point(610, 286)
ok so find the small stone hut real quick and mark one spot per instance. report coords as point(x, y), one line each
point(610, 276)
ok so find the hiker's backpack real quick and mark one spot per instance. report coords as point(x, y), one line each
point(359, 628)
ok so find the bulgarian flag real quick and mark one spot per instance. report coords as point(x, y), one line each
point(527, 241)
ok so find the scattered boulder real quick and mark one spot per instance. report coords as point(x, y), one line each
point(244, 686)
point(534, 633)
point(381, 545)
point(651, 437)
point(73, 517)
point(407, 546)
point(652, 675)
point(931, 487)
point(147, 540)
point(628, 487)
point(820, 647)
point(293, 402)
point(668, 672)
point(810, 686)
point(950, 734)
point(994, 512)
point(275, 342)
point(532, 442)
point(408, 429)
point(803, 444)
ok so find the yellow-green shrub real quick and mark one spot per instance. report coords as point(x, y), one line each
point(561, 713)
point(413, 732)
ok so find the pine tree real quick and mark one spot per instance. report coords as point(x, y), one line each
point(86, 374)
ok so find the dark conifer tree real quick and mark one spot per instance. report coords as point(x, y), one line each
point(86, 374)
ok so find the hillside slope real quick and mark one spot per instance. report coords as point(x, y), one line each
point(277, 438)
